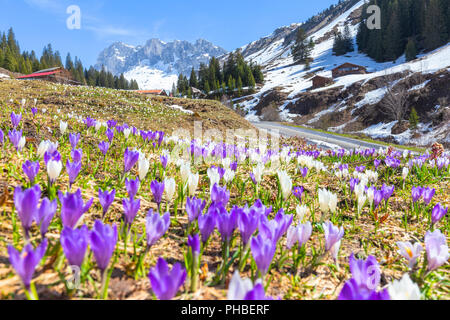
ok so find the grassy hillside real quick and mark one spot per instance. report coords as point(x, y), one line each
point(150, 113)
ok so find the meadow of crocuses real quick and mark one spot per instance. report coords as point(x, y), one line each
point(97, 208)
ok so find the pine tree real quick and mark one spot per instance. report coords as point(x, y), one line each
point(413, 119)
point(193, 82)
point(301, 49)
point(411, 51)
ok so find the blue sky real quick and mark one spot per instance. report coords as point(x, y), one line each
point(229, 24)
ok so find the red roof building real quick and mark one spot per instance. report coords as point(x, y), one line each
point(159, 92)
point(57, 75)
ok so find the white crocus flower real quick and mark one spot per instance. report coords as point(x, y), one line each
point(214, 176)
point(228, 176)
point(127, 132)
point(22, 143)
point(63, 127)
point(405, 289)
point(193, 183)
point(405, 173)
point(301, 212)
point(144, 166)
point(361, 202)
point(185, 170)
point(98, 126)
point(238, 287)
point(169, 189)
point(43, 146)
point(54, 170)
point(226, 162)
point(370, 194)
point(285, 183)
point(258, 172)
point(327, 201)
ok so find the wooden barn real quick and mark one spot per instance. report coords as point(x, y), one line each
point(348, 68)
point(319, 82)
point(197, 93)
point(159, 92)
point(57, 75)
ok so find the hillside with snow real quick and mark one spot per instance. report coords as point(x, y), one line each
point(289, 85)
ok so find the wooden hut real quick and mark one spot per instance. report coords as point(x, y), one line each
point(159, 92)
point(348, 68)
point(319, 82)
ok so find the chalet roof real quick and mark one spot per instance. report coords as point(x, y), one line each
point(38, 75)
point(321, 77)
point(348, 64)
point(159, 91)
point(49, 70)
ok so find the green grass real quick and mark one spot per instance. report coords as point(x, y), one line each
point(360, 138)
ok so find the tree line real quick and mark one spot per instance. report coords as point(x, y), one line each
point(12, 59)
point(216, 80)
point(407, 27)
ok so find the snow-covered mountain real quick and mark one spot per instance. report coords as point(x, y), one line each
point(351, 103)
point(157, 64)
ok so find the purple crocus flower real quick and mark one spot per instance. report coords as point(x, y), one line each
point(2, 136)
point(156, 226)
point(233, 166)
point(194, 243)
point(298, 193)
point(194, 208)
point(166, 283)
point(77, 155)
point(351, 291)
point(163, 161)
point(130, 210)
point(31, 170)
point(376, 163)
point(300, 234)
point(220, 195)
point(367, 273)
point(333, 237)
point(74, 243)
point(15, 119)
point(34, 111)
point(304, 172)
point(263, 250)
point(104, 147)
point(263, 210)
point(438, 213)
point(353, 183)
point(15, 137)
point(106, 199)
point(276, 228)
point(437, 249)
point(387, 191)
point(74, 138)
point(25, 262)
point(89, 122)
point(73, 208)
point(111, 124)
point(428, 194)
point(73, 169)
point(157, 190)
point(110, 135)
point(130, 159)
point(45, 214)
point(52, 155)
point(132, 187)
point(26, 204)
point(226, 222)
point(206, 224)
point(416, 193)
point(378, 197)
point(247, 222)
point(103, 239)
point(257, 293)
point(252, 176)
